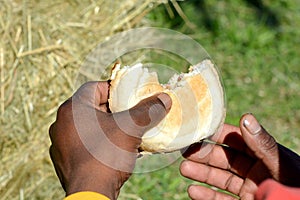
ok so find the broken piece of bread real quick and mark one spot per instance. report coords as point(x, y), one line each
point(198, 105)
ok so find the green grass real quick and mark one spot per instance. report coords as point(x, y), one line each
point(260, 69)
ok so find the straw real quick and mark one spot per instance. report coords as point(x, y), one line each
point(42, 46)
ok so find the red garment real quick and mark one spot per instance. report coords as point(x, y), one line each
point(272, 190)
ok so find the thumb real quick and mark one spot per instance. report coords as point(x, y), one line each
point(260, 142)
point(145, 115)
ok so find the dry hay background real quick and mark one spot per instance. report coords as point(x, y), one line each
point(42, 45)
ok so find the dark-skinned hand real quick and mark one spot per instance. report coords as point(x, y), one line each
point(248, 156)
point(94, 150)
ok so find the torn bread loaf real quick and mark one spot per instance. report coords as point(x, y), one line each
point(198, 107)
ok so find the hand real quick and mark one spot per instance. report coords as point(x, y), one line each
point(248, 155)
point(94, 150)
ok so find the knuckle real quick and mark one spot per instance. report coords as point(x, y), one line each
point(268, 143)
point(86, 88)
point(51, 131)
point(149, 114)
point(87, 85)
point(157, 111)
point(228, 181)
point(64, 109)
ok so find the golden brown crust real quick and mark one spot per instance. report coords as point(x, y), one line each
point(190, 117)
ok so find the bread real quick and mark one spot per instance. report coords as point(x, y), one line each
point(197, 111)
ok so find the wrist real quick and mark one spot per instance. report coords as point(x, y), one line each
point(94, 182)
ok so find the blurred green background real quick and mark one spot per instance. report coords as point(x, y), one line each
point(255, 44)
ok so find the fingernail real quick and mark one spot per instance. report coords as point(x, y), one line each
point(166, 100)
point(251, 124)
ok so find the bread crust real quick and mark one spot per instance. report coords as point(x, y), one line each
point(190, 118)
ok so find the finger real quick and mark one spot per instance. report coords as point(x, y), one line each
point(231, 136)
point(221, 157)
point(198, 192)
point(261, 143)
point(145, 115)
point(222, 179)
point(93, 93)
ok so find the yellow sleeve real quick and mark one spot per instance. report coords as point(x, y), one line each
point(86, 196)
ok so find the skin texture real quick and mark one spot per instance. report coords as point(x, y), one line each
point(114, 138)
point(241, 158)
point(250, 156)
